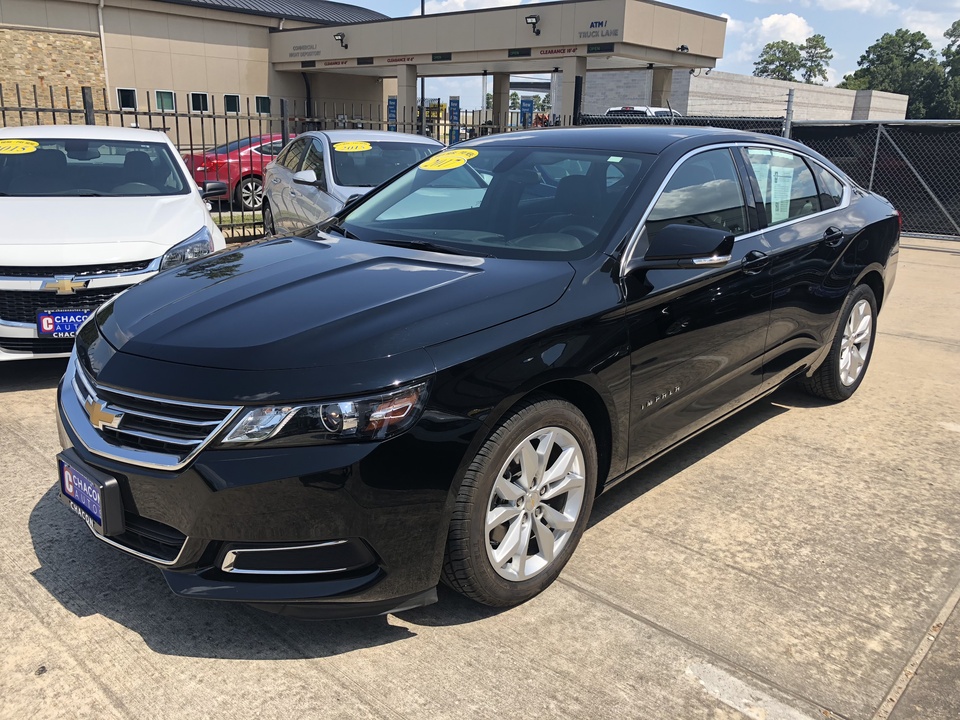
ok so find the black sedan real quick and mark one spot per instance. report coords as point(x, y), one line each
point(436, 383)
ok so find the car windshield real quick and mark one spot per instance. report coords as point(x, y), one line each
point(83, 167)
point(370, 163)
point(508, 202)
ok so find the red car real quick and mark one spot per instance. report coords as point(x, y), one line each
point(239, 164)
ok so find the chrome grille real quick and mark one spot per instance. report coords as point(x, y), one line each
point(23, 305)
point(151, 432)
point(42, 271)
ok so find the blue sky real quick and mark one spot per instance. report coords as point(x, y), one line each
point(850, 26)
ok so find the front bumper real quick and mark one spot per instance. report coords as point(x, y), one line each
point(373, 521)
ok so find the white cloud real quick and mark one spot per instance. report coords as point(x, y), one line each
point(932, 24)
point(733, 26)
point(761, 31)
point(445, 6)
point(875, 7)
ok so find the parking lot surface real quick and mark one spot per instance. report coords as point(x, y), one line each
point(800, 561)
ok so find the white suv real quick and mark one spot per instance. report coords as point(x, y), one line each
point(87, 212)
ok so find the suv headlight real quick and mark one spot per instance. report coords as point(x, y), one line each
point(195, 246)
point(375, 417)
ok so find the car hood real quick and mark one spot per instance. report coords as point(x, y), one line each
point(95, 230)
point(293, 303)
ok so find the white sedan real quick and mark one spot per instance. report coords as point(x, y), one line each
point(316, 174)
point(87, 212)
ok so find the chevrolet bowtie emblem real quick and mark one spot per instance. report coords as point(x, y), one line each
point(99, 416)
point(64, 285)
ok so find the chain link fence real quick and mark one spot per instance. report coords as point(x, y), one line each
point(915, 164)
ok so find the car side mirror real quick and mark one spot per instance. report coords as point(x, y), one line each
point(686, 247)
point(213, 189)
point(308, 177)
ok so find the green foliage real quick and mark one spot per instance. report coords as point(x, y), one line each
point(514, 101)
point(905, 62)
point(782, 60)
point(779, 60)
point(816, 57)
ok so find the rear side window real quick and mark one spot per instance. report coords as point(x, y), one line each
point(786, 184)
point(704, 191)
point(831, 189)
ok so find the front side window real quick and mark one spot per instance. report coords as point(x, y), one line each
point(314, 159)
point(505, 201)
point(786, 184)
point(291, 157)
point(92, 168)
point(704, 191)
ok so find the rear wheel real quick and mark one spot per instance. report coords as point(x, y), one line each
point(523, 505)
point(249, 193)
point(845, 367)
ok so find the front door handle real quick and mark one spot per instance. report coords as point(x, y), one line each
point(754, 261)
point(833, 237)
point(276, 181)
point(294, 193)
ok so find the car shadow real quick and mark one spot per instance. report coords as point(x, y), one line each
point(23, 375)
point(89, 578)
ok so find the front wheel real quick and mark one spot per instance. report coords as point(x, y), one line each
point(523, 504)
point(845, 367)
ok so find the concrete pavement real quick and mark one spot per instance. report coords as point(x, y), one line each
point(800, 561)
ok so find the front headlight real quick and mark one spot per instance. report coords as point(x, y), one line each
point(195, 246)
point(375, 417)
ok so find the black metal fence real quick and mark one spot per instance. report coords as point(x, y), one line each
point(915, 164)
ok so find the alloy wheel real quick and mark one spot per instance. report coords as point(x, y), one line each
point(251, 193)
point(855, 345)
point(535, 503)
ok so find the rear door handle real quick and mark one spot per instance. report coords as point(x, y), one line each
point(754, 261)
point(833, 237)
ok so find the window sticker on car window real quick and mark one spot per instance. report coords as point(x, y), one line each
point(614, 159)
point(352, 146)
point(781, 182)
point(448, 160)
point(18, 147)
point(762, 171)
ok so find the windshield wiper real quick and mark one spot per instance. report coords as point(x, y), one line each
point(333, 227)
point(427, 245)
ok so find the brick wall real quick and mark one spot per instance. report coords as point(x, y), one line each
point(47, 60)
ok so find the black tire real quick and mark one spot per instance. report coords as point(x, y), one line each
point(829, 381)
point(268, 227)
point(468, 568)
point(249, 193)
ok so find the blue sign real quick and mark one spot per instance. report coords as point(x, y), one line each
point(392, 113)
point(454, 109)
point(526, 112)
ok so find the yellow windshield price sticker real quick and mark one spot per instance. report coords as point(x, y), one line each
point(448, 160)
point(18, 147)
point(352, 146)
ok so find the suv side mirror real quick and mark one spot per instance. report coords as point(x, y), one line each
point(687, 247)
point(309, 177)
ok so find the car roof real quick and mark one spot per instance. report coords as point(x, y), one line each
point(84, 132)
point(645, 139)
point(370, 135)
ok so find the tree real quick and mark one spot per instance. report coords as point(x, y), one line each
point(537, 103)
point(547, 102)
point(904, 62)
point(816, 56)
point(488, 103)
point(951, 70)
point(514, 101)
point(778, 60)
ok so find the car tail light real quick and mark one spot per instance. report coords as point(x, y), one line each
point(212, 164)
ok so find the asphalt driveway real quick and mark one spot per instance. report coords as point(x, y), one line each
point(800, 561)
